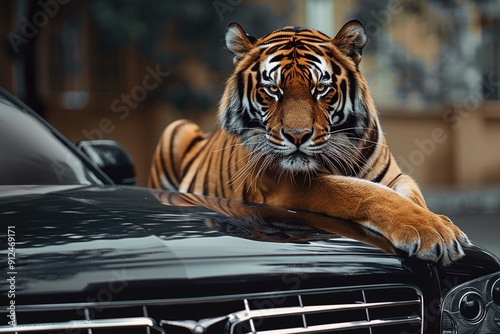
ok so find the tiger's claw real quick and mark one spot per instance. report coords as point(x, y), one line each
point(437, 241)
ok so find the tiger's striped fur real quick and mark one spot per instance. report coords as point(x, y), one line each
point(298, 128)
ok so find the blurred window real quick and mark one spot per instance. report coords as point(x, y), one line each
point(490, 56)
point(78, 66)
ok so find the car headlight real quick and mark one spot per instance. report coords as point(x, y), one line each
point(473, 307)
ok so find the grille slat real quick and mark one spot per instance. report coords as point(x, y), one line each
point(343, 326)
point(250, 314)
point(82, 324)
point(374, 309)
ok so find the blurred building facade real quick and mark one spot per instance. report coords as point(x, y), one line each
point(124, 69)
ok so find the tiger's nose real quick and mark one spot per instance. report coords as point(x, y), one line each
point(296, 136)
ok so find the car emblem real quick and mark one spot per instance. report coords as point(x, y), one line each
point(196, 327)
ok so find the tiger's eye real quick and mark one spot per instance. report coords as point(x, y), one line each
point(273, 88)
point(320, 88)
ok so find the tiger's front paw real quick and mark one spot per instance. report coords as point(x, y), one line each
point(433, 238)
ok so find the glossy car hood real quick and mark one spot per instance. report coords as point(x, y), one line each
point(83, 240)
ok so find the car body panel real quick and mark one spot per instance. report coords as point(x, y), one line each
point(67, 241)
point(73, 243)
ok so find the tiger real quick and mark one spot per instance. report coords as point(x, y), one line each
point(297, 128)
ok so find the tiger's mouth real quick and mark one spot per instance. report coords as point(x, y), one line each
point(299, 162)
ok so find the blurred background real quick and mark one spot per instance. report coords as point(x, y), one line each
point(124, 69)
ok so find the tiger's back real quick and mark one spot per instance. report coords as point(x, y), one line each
point(187, 160)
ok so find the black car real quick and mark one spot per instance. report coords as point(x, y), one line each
point(83, 253)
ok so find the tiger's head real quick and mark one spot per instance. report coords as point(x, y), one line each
point(298, 99)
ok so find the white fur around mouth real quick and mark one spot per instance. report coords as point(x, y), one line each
point(298, 162)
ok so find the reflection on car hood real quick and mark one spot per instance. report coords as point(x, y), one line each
point(79, 239)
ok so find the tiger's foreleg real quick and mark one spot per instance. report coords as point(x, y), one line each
point(407, 187)
point(395, 179)
point(407, 225)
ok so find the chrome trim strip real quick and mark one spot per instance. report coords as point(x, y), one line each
point(83, 324)
point(342, 326)
point(196, 300)
point(422, 310)
point(274, 312)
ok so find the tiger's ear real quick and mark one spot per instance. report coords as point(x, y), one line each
point(237, 41)
point(351, 40)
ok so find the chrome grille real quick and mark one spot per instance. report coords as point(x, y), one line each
point(380, 309)
point(372, 310)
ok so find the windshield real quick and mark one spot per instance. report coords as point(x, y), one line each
point(31, 154)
